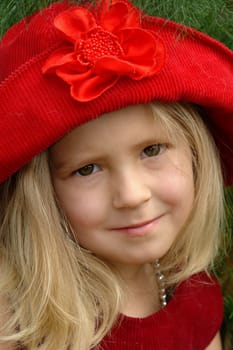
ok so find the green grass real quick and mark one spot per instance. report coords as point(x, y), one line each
point(214, 17)
point(225, 275)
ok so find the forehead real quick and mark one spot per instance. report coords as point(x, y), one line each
point(125, 122)
point(127, 119)
point(125, 130)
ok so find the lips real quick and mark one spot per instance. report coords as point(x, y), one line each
point(140, 224)
point(139, 229)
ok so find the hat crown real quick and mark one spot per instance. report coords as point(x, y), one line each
point(28, 39)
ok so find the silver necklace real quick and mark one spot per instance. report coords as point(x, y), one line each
point(161, 284)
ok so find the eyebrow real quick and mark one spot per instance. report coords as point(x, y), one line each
point(71, 163)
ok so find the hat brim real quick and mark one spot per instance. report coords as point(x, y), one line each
point(36, 109)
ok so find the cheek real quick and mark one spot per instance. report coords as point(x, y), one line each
point(177, 188)
point(83, 211)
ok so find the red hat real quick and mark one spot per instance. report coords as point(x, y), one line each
point(69, 64)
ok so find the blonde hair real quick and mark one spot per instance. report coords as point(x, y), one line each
point(198, 244)
point(59, 295)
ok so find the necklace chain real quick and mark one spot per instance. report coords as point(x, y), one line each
point(161, 284)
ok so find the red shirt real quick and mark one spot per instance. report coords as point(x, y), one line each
point(189, 321)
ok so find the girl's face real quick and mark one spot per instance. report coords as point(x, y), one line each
point(126, 188)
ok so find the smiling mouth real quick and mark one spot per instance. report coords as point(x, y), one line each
point(139, 229)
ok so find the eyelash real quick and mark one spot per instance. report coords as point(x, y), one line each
point(156, 150)
point(86, 168)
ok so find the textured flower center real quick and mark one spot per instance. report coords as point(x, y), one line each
point(98, 44)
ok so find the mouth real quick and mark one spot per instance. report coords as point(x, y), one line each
point(139, 229)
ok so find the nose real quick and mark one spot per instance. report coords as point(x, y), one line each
point(130, 190)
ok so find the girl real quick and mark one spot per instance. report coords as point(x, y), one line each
point(111, 184)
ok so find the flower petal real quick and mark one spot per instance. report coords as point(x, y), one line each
point(113, 65)
point(60, 57)
point(89, 86)
point(125, 68)
point(74, 22)
point(73, 73)
point(143, 49)
point(137, 42)
point(120, 15)
point(106, 48)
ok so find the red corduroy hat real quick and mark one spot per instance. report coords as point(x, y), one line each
point(69, 64)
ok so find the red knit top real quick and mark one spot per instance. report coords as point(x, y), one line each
point(189, 321)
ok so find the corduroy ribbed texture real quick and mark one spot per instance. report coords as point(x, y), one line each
point(36, 110)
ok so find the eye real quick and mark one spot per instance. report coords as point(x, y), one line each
point(86, 170)
point(153, 150)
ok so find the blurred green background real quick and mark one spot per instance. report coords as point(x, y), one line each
point(214, 17)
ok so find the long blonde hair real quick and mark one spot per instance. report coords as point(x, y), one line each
point(197, 246)
point(59, 295)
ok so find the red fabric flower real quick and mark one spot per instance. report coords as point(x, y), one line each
point(103, 46)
